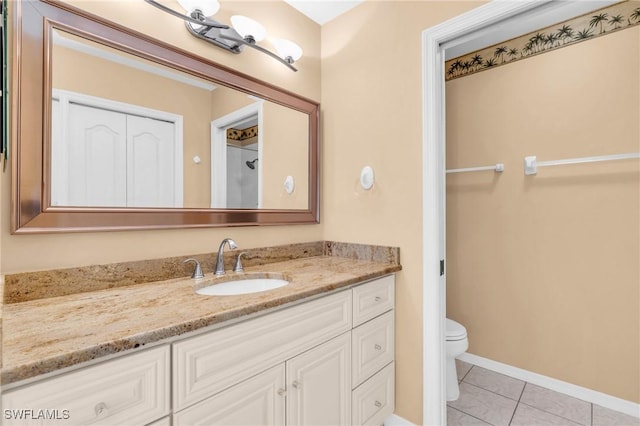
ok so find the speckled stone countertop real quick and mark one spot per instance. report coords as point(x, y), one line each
point(44, 335)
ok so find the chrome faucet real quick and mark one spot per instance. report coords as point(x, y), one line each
point(238, 266)
point(197, 272)
point(220, 259)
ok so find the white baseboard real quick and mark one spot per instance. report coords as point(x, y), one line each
point(394, 420)
point(589, 395)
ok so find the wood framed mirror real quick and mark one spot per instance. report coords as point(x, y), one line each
point(114, 130)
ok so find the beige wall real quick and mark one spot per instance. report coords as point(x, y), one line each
point(283, 155)
point(543, 270)
point(225, 100)
point(41, 252)
point(372, 115)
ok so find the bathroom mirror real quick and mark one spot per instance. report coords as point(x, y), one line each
point(115, 130)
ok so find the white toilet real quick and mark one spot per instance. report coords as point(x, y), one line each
point(456, 344)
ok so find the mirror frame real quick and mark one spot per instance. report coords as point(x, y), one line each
point(33, 23)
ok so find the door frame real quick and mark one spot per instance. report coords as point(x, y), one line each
point(219, 128)
point(433, 188)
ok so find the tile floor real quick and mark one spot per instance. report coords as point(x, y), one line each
point(490, 398)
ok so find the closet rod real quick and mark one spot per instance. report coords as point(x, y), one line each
point(496, 168)
point(531, 163)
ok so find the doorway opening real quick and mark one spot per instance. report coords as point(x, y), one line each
point(467, 31)
point(236, 151)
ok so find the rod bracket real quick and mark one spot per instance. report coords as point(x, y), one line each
point(530, 165)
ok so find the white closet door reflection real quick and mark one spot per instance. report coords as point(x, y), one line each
point(106, 158)
point(90, 150)
point(150, 169)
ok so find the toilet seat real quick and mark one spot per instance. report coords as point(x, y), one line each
point(454, 331)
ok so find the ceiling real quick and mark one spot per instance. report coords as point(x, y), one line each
point(323, 11)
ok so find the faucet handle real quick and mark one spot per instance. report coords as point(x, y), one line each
point(238, 266)
point(197, 272)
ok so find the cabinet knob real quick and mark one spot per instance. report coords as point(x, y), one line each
point(296, 384)
point(281, 391)
point(100, 409)
point(378, 404)
point(378, 347)
point(378, 298)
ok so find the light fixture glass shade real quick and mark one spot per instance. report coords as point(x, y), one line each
point(248, 28)
point(207, 7)
point(287, 49)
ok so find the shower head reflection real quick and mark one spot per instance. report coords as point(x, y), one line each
point(251, 164)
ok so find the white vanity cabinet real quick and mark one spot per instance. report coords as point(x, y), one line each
point(310, 341)
point(312, 388)
point(327, 361)
point(132, 390)
point(210, 363)
point(324, 362)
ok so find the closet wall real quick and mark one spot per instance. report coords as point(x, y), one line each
point(543, 270)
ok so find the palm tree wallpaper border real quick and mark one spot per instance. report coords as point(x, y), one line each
point(601, 22)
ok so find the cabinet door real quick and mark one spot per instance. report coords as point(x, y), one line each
point(258, 401)
point(319, 385)
point(165, 421)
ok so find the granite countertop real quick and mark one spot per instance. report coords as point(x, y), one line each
point(44, 335)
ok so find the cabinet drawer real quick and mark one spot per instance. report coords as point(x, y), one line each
point(372, 347)
point(210, 363)
point(373, 401)
point(372, 299)
point(132, 390)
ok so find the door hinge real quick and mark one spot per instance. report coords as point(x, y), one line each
point(441, 267)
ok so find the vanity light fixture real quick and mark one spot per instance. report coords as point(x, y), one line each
point(242, 32)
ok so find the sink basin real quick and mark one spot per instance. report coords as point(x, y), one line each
point(244, 285)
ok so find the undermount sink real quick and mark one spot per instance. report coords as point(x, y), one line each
point(243, 284)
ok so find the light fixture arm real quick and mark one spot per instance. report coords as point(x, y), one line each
point(224, 36)
point(260, 48)
point(200, 20)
